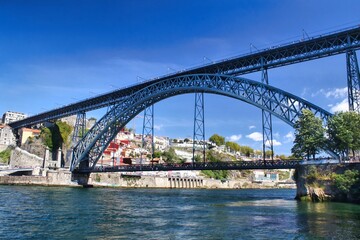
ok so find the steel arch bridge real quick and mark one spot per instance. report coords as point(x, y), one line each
point(284, 105)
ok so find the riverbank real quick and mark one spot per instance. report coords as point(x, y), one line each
point(330, 182)
point(63, 177)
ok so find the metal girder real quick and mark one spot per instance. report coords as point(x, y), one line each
point(353, 79)
point(266, 121)
point(199, 125)
point(233, 165)
point(284, 105)
point(313, 48)
point(79, 128)
point(148, 129)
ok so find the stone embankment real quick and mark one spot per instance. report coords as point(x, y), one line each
point(63, 177)
point(53, 176)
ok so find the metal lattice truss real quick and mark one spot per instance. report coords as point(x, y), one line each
point(199, 125)
point(353, 81)
point(299, 51)
point(231, 165)
point(266, 121)
point(79, 129)
point(279, 103)
point(148, 129)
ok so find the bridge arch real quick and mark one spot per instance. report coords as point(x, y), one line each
point(283, 105)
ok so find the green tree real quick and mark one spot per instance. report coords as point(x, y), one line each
point(309, 135)
point(344, 132)
point(57, 135)
point(157, 154)
point(233, 146)
point(248, 151)
point(170, 156)
point(268, 153)
point(5, 156)
point(216, 174)
point(65, 131)
point(198, 158)
point(344, 182)
point(217, 139)
point(46, 137)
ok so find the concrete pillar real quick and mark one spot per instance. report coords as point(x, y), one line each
point(58, 164)
point(169, 179)
point(46, 157)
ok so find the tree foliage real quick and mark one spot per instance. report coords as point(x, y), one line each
point(233, 146)
point(5, 156)
point(344, 132)
point(217, 139)
point(216, 174)
point(170, 156)
point(46, 137)
point(344, 182)
point(57, 135)
point(246, 150)
point(309, 135)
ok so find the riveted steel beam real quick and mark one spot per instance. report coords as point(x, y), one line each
point(353, 80)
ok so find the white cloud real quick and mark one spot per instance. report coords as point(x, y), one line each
point(256, 136)
point(275, 143)
point(337, 93)
point(252, 127)
point(342, 106)
point(289, 137)
point(332, 93)
point(158, 127)
point(276, 135)
point(234, 138)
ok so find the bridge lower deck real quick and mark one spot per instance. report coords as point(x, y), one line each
point(238, 165)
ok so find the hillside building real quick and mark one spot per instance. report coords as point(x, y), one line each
point(9, 117)
point(6, 135)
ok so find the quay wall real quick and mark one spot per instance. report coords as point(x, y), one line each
point(63, 177)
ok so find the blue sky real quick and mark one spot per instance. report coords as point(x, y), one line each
point(53, 53)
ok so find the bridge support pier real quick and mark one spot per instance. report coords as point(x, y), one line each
point(148, 130)
point(353, 80)
point(199, 125)
point(79, 128)
point(266, 120)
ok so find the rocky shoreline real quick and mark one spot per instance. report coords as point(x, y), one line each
point(319, 184)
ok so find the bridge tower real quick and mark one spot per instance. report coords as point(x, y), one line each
point(148, 130)
point(199, 126)
point(266, 119)
point(79, 132)
point(353, 80)
point(79, 128)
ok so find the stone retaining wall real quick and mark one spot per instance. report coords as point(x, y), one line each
point(21, 158)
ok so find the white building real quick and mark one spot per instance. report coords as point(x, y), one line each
point(9, 117)
point(6, 136)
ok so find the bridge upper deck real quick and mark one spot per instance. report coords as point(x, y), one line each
point(304, 50)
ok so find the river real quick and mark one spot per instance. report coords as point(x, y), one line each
point(28, 212)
